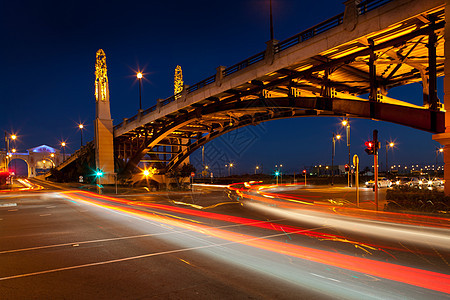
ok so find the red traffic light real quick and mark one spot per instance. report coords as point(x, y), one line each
point(304, 171)
point(347, 168)
point(370, 147)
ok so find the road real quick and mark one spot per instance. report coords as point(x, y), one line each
point(215, 243)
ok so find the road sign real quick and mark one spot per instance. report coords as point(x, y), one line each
point(192, 174)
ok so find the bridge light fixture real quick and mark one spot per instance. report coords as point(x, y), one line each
point(13, 136)
point(139, 76)
point(14, 150)
point(146, 173)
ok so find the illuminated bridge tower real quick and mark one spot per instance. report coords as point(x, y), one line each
point(104, 147)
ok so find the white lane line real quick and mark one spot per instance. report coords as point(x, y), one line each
point(45, 215)
point(324, 277)
point(8, 204)
point(138, 257)
point(76, 243)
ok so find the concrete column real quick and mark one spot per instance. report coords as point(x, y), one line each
point(444, 138)
point(270, 51)
point(219, 75)
point(351, 14)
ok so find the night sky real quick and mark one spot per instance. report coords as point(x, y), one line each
point(47, 74)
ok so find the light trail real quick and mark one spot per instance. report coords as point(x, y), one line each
point(417, 277)
point(437, 238)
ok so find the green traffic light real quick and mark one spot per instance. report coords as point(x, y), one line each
point(99, 173)
point(277, 173)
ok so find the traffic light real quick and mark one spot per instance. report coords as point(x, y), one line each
point(99, 173)
point(304, 172)
point(347, 168)
point(370, 147)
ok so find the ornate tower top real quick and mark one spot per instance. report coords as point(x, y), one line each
point(178, 81)
point(101, 78)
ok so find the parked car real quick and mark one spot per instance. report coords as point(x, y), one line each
point(435, 182)
point(415, 182)
point(402, 181)
point(382, 182)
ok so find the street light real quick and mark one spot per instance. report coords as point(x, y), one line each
point(229, 166)
point(333, 149)
point(346, 124)
point(63, 145)
point(438, 150)
point(7, 145)
point(388, 145)
point(81, 126)
point(139, 76)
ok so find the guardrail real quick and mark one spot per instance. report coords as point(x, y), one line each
point(363, 8)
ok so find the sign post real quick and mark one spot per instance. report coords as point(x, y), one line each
point(356, 164)
point(192, 179)
point(375, 166)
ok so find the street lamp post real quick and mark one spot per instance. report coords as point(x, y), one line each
point(333, 149)
point(438, 150)
point(8, 156)
point(63, 145)
point(139, 76)
point(346, 124)
point(81, 126)
point(391, 145)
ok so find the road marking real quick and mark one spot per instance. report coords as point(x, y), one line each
point(8, 204)
point(136, 257)
point(324, 277)
point(45, 215)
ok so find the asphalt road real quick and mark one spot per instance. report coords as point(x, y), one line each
point(211, 244)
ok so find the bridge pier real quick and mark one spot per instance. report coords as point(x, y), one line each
point(444, 138)
point(104, 145)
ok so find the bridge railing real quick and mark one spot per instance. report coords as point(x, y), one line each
point(244, 64)
point(309, 33)
point(368, 5)
point(201, 84)
point(363, 7)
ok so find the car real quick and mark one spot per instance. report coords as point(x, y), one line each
point(435, 182)
point(415, 182)
point(382, 182)
point(402, 181)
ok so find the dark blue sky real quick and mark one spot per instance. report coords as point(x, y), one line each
point(47, 73)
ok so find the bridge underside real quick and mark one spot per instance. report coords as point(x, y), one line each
point(325, 84)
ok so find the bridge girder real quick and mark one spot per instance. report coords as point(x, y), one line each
point(323, 85)
point(255, 111)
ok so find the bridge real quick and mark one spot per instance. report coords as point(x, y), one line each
point(324, 71)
